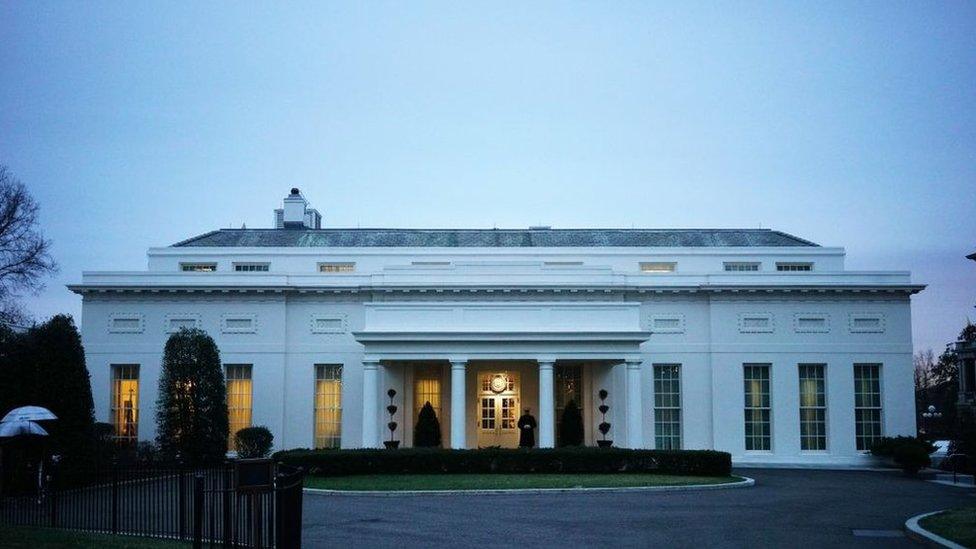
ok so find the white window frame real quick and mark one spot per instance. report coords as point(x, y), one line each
point(335, 372)
point(660, 368)
point(824, 408)
point(768, 408)
point(252, 267)
point(658, 267)
point(879, 408)
point(336, 267)
point(189, 267)
point(794, 266)
point(115, 370)
point(733, 266)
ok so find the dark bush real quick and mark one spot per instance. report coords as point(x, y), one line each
point(503, 460)
point(571, 426)
point(427, 433)
point(253, 442)
point(909, 453)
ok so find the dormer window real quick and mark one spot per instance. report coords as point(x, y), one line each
point(251, 267)
point(658, 267)
point(794, 267)
point(741, 266)
point(198, 267)
point(337, 267)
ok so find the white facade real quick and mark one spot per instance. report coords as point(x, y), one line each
point(465, 315)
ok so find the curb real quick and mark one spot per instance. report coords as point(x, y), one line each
point(921, 535)
point(744, 483)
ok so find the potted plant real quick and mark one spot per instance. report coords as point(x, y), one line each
point(392, 425)
point(604, 427)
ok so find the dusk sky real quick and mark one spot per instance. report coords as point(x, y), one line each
point(849, 124)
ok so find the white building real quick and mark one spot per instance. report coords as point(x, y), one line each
point(750, 341)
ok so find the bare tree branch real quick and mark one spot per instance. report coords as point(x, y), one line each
point(25, 257)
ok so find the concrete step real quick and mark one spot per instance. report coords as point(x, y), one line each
point(960, 478)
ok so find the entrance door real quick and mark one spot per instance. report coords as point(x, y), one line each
point(498, 409)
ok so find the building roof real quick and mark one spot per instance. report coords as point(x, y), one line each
point(494, 238)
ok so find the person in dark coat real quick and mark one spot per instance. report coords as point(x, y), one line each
point(526, 425)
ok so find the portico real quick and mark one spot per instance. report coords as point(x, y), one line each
point(498, 359)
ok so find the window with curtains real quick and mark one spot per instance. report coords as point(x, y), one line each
point(125, 402)
point(238, 379)
point(427, 388)
point(328, 405)
point(757, 408)
point(813, 407)
point(868, 425)
point(569, 386)
point(667, 406)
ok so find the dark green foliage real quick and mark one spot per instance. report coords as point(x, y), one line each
point(253, 442)
point(191, 409)
point(503, 460)
point(909, 453)
point(571, 426)
point(427, 433)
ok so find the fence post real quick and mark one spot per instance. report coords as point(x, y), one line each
point(228, 490)
point(53, 492)
point(181, 504)
point(115, 500)
point(198, 511)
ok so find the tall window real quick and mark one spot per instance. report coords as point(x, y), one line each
point(813, 408)
point(868, 425)
point(125, 401)
point(328, 405)
point(427, 388)
point(238, 399)
point(757, 412)
point(569, 386)
point(667, 406)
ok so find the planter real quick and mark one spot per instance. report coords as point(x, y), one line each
point(604, 443)
point(391, 444)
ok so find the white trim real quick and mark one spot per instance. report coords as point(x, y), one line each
point(251, 329)
point(768, 328)
point(852, 319)
point(170, 317)
point(824, 329)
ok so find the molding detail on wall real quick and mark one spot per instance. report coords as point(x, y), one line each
point(866, 323)
point(335, 323)
point(811, 323)
point(757, 323)
point(175, 321)
point(238, 323)
point(126, 323)
point(666, 323)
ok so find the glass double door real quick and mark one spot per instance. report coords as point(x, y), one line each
point(498, 409)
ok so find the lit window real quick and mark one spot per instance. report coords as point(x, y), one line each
point(328, 405)
point(794, 267)
point(757, 409)
point(741, 266)
point(337, 267)
point(251, 267)
point(238, 399)
point(667, 406)
point(198, 267)
point(125, 401)
point(813, 408)
point(427, 388)
point(658, 267)
point(569, 386)
point(868, 426)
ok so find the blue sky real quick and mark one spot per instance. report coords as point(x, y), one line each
point(849, 124)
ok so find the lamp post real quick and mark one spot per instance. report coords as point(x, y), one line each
point(928, 415)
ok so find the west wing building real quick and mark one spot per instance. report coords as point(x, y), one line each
point(751, 341)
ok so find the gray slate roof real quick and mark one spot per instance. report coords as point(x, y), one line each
point(493, 238)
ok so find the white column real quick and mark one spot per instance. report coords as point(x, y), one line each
point(370, 404)
point(635, 404)
point(547, 405)
point(459, 425)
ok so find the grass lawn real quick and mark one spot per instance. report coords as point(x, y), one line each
point(16, 537)
point(502, 481)
point(958, 525)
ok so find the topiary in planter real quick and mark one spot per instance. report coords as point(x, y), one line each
point(571, 426)
point(253, 442)
point(427, 432)
point(392, 425)
point(604, 427)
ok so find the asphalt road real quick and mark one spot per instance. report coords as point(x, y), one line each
point(786, 508)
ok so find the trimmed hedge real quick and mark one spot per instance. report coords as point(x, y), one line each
point(500, 460)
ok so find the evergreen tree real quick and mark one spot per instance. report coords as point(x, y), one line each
point(571, 427)
point(191, 409)
point(427, 433)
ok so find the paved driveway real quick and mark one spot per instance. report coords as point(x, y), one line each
point(786, 508)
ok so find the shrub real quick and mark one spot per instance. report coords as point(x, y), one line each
point(909, 453)
point(571, 426)
point(505, 460)
point(191, 409)
point(427, 433)
point(253, 442)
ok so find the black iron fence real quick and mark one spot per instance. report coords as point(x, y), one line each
point(203, 505)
